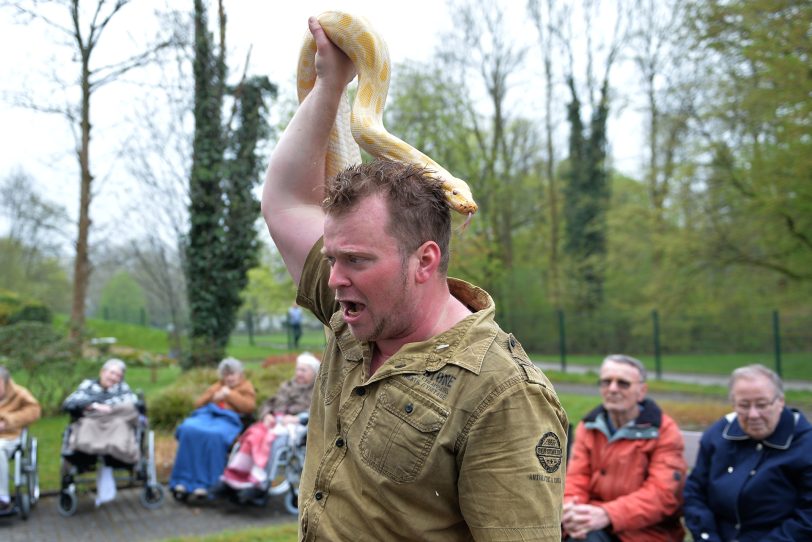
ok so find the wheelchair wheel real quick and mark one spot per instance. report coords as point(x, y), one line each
point(292, 503)
point(152, 496)
point(33, 474)
point(67, 503)
point(23, 499)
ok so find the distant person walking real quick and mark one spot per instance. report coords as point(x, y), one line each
point(295, 323)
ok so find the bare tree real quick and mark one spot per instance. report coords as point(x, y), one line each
point(84, 24)
point(547, 22)
point(482, 50)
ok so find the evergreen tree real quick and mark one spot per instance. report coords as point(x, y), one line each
point(586, 200)
point(221, 246)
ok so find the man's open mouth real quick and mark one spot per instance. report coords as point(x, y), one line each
point(352, 308)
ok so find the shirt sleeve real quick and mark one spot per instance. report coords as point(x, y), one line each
point(314, 293)
point(508, 488)
point(28, 412)
point(698, 516)
point(77, 401)
point(579, 468)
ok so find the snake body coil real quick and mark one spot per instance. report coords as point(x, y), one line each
point(363, 123)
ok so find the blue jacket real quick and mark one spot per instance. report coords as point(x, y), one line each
point(752, 491)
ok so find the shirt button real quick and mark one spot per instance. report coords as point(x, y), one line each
point(360, 391)
point(759, 446)
point(318, 495)
point(704, 536)
point(340, 442)
point(730, 469)
point(408, 408)
point(753, 472)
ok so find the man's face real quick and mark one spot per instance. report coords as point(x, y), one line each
point(757, 406)
point(110, 376)
point(621, 387)
point(367, 273)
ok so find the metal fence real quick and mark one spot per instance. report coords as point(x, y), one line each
point(765, 335)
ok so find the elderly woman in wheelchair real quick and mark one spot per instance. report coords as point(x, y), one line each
point(268, 457)
point(18, 409)
point(108, 422)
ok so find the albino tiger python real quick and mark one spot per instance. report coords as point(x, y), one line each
point(363, 123)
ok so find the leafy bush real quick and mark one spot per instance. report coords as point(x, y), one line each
point(40, 359)
point(170, 406)
point(14, 309)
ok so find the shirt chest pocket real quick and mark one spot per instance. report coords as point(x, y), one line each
point(401, 432)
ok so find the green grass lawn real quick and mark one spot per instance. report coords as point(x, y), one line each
point(266, 345)
point(276, 533)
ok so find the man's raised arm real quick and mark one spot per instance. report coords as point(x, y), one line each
point(294, 182)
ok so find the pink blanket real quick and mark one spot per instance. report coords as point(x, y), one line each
point(246, 468)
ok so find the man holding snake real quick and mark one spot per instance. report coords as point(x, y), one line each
point(428, 422)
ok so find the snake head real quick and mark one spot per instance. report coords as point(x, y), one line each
point(459, 197)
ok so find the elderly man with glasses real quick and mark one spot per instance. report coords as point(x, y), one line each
point(626, 473)
point(753, 475)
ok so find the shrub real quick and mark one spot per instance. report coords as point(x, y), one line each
point(14, 309)
point(170, 406)
point(41, 358)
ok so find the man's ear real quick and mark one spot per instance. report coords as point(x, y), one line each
point(428, 261)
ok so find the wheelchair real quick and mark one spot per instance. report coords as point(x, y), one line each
point(73, 464)
point(285, 467)
point(26, 477)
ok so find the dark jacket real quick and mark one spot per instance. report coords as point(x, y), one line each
point(752, 491)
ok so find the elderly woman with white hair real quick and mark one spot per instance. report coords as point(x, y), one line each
point(279, 416)
point(105, 414)
point(205, 437)
point(752, 480)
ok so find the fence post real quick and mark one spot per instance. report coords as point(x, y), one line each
point(777, 342)
point(562, 340)
point(655, 320)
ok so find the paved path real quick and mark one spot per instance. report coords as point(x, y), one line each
point(126, 520)
point(719, 380)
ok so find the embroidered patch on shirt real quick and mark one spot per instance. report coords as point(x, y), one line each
point(549, 452)
point(439, 383)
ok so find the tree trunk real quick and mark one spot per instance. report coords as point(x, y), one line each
point(81, 270)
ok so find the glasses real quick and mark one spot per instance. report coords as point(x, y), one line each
point(760, 406)
point(621, 383)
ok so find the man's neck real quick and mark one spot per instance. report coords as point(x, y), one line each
point(619, 419)
point(445, 316)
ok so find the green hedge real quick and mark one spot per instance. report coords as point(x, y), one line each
point(168, 407)
point(14, 309)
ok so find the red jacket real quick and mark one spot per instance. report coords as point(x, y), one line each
point(637, 477)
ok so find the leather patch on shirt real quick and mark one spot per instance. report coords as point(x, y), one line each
point(549, 452)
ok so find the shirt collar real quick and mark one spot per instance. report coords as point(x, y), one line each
point(780, 439)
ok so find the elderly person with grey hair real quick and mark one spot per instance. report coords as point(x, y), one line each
point(205, 437)
point(104, 415)
point(626, 474)
point(752, 480)
point(18, 408)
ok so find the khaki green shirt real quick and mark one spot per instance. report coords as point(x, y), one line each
point(459, 437)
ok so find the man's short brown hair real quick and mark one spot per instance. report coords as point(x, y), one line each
point(418, 210)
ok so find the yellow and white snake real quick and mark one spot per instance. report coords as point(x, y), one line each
point(363, 122)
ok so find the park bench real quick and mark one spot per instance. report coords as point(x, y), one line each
point(691, 439)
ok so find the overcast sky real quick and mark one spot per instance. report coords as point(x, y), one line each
point(41, 144)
